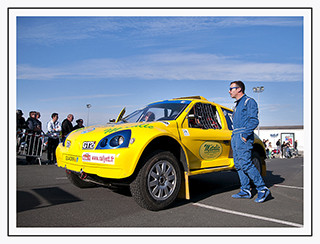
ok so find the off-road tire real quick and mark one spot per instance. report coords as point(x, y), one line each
point(158, 181)
point(256, 160)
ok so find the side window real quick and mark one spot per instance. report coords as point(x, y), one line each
point(228, 116)
point(204, 116)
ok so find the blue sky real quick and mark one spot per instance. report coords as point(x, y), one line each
point(64, 63)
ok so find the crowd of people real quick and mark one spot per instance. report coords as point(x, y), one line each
point(55, 130)
point(285, 150)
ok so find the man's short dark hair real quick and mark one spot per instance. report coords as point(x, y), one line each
point(53, 115)
point(240, 84)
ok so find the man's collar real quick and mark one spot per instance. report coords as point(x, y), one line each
point(237, 101)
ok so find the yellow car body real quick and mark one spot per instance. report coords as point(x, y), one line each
point(122, 161)
point(197, 148)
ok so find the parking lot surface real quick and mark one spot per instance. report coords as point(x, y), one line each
point(46, 198)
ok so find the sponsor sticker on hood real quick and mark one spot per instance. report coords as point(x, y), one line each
point(88, 130)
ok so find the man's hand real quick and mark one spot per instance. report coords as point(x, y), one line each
point(244, 139)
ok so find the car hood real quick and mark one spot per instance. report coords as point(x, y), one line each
point(99, 131)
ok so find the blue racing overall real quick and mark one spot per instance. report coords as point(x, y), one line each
point(245, 120)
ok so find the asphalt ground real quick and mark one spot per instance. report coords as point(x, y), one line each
point(46, 198)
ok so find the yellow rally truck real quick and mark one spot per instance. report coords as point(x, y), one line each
point(155, 150)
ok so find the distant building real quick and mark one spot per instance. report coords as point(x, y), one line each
point(288, 133)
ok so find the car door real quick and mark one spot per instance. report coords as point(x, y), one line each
point(206, 139)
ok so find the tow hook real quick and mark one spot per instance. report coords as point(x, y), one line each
point(83, 176)
point(68, 171)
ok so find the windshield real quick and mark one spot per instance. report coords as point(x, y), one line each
point(168, 110)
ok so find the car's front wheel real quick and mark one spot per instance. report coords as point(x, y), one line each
point(158, 182)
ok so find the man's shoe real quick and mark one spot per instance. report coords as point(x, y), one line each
point(242, 194)
point(262, 195)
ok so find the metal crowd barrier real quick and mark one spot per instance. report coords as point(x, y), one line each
point(30, 145)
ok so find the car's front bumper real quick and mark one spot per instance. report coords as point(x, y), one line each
point(115, 164)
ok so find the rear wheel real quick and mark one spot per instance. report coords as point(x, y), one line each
point(256, 160)
point(158, 182)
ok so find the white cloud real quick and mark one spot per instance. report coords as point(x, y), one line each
point(60, 29)
point(81, 97)
point(168, 66)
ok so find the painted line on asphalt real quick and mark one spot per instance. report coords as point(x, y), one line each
point(293, 187)
point(62, 178)
point(248, 215)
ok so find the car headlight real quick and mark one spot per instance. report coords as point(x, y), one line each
point(118, 139)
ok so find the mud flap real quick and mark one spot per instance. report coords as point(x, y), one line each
point(263, 167)
point(184, 190)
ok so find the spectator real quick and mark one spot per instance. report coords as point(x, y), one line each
point(31, 121)
point(267, 147)
point(288, 152)
point(270, 149)
point(38, 130)
point(283, 149)
point(38, 122)
point(21, 122)
point(32, 129)
point(21, 125)
point(67, 126)
point(54, 129)
point(278, 143)
point(295, 146)
point(79, 124)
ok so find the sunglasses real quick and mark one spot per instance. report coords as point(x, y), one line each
point(230, 89)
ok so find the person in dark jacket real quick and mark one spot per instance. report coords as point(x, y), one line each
point(245, 120)
point(33, 129)
point(38, 122)
point(21, 122)
point(21, 125)
point(79, 124)
point(283, 149)
point(67, 126)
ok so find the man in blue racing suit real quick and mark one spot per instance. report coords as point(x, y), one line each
point(245, 120)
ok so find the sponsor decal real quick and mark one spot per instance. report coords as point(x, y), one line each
point(88, 130)
point(88, 144)
point(210, 150)
point(68, 144)
point(71, 158)
point(79, 129)
point(98, 158)
point(142, 126)
point(185, 132)
point(86, 157)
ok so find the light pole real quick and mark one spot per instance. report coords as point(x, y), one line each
point(258, 90)
point(88, 106)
